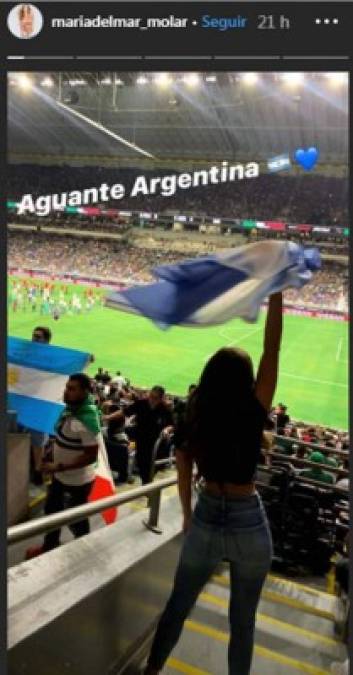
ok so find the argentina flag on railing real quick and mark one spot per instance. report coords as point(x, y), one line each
point(211, 290)
point(36, 377)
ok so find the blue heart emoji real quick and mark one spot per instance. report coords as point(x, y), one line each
point(307, 158)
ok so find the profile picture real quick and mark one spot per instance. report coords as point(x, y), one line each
point(25, 21)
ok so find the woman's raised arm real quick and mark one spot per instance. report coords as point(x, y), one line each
point(267, 374)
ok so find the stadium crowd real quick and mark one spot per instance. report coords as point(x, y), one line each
point(321, 200)
point(329, 289)
point(109, 260)
point(333, 243)
point(325, 446)
point(121, 261)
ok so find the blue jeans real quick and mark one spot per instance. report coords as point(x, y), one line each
point(223, 528)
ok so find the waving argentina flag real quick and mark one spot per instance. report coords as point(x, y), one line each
point(214, 289)
point(37, 375)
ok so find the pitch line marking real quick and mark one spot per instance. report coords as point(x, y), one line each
point(310, 379)
point(297, 377)
point(242, 337)
point(234, 342)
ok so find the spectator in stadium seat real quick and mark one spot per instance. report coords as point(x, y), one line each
point(106, 378)
point(75, 451)
point(306, 436)
point(114, 394)
point(343, 483)
point(317, 473)
point(119, 380)
point(117, 441)
point(301, 452)
point(330, 460)
point(342, 479)
point(282, 419)
point(180, 406)
point(229, 519)
point(99, 375)
point(42, 334)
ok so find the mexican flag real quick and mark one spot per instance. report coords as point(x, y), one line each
point(104, 486)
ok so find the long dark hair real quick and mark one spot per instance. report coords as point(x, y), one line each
point(220, 403)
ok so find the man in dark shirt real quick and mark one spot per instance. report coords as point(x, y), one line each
point(282, 419)
point(106, 378)
point(117, 442)
point(152, 417)
point(99, 376)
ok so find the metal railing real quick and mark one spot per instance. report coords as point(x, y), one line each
point(314, 447)
point(153, 491)
point(53, 522)
point(291, 459)
point(302, 479)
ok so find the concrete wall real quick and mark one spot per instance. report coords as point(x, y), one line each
point(18, 462)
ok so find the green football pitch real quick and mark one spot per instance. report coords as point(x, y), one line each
point(313, 378)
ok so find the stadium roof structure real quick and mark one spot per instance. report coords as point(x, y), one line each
point(178, 116)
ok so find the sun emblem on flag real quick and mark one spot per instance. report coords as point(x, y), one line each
point(12, 376)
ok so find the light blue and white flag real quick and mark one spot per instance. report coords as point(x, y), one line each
point(214, 289)
point(36, 378)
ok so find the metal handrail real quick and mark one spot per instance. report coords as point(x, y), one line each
point(24, 531)
point(313, 446)
point(302, 479)
point(290, 459)
point(54, 521)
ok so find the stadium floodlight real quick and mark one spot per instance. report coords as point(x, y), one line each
point(337, 79)
point(293, 79)
point(250, 79)
point(106, 80)
point(211, 78)
point(24, 81)
point(191, 79)
point(163, 79)
point(142, 80)
point(47, 82)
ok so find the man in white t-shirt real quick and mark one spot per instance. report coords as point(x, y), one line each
point(119, 380)
point(75, 450)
